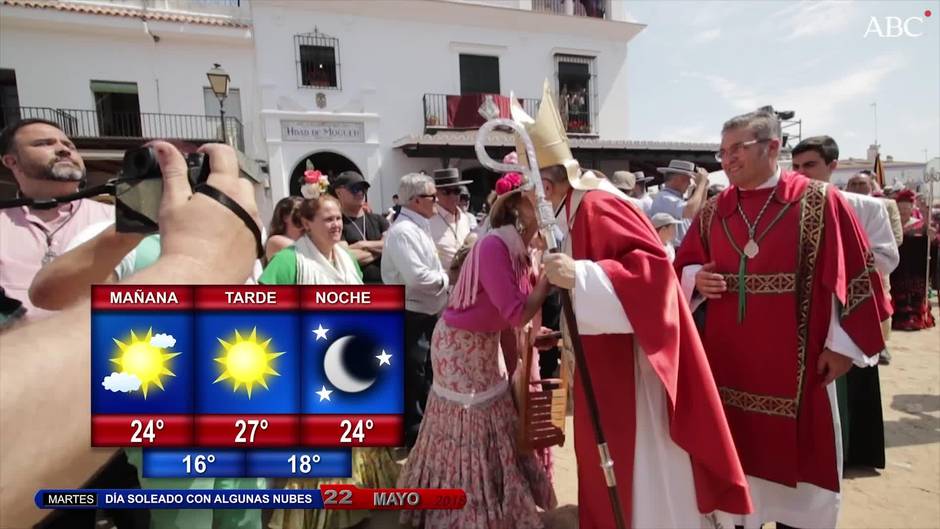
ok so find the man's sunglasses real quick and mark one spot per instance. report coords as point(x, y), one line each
point(449, 191)
point(357, 188)
point(430, 196)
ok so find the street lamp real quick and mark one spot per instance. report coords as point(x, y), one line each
point(218, 81)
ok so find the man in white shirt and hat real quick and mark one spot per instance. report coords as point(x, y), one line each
point(450, 225)
point(678, 177)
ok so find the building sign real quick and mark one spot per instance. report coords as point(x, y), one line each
point(338, 131)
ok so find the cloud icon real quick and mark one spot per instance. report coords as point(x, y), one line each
point(123, 382)
point(163, 341)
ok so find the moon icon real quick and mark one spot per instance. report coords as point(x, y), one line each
point(344, 369)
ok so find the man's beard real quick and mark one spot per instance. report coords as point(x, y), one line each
point(62, 172)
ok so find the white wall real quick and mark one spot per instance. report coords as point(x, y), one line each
point(388, 64)
point(55, 58)
point(56, 55)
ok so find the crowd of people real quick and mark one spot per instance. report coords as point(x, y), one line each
point(672, 297)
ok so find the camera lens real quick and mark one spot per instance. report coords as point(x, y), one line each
point(143, 160)
point(141, 163)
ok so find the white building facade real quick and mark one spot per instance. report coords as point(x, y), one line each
point(341, 82)
point(113, 74)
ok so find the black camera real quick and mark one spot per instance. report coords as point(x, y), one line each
point(139, 188)
point(141, 163)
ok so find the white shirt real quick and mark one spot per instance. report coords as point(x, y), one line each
point(872, 215)
point(670, 251)
point(646, 203)
point(410, 258)
point(449, 232)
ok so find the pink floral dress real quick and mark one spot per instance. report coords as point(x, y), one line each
point(467, 437)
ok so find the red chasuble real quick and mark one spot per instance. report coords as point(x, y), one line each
point(619, 238)
point(765, 334)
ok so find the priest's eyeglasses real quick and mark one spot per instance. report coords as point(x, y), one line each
point(736, 148)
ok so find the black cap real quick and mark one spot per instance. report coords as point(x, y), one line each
point(348, 178)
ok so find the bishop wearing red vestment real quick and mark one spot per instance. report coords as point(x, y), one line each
point(793, 300)
point(673, 456)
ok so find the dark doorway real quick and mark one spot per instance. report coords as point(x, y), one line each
point(9, 98)
point(484, 181)
point(329, 163)
point(118, 109)
point(479, 74)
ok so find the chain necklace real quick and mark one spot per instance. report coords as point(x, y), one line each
point(751, 249)
point(50, 253)
point(452, 228)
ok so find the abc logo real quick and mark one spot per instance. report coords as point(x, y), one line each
point(894, 27)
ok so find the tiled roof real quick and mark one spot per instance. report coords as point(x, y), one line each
point(505, 139)
point(128, 12)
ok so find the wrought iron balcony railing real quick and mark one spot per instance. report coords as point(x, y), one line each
point(443, 112)
point(581, 8)
point(82, 124)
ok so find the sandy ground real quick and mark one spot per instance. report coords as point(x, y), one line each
point(906, 494)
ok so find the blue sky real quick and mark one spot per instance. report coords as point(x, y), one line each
point(700, 63)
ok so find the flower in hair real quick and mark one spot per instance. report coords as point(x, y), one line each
point(508, 182)
point(315, 184)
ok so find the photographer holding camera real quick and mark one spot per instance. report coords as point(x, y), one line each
point(204, 240)
point(46, 165)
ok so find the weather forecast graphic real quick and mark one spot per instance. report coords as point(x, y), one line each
point(247, 381)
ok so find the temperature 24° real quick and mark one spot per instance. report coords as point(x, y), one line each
point(146, 430)
point(357, 431)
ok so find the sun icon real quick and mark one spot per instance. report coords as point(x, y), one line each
point(246, 361)
point(144, 360)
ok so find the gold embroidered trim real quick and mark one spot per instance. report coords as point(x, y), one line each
point(812, 213)
point(859, 288)
point(781, 283)
point(705, 229)
point(758, 403)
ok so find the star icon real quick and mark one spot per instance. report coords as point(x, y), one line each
point(384, 358)
point(320, 332)
point(324, 393)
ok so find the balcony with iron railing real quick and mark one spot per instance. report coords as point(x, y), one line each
point(132, 127)
point(581, 8)
point(462, 112)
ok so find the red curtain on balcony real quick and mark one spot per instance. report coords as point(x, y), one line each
point(463, 111)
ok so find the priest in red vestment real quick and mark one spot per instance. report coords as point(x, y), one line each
point(674, 460)
point(793, 299)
